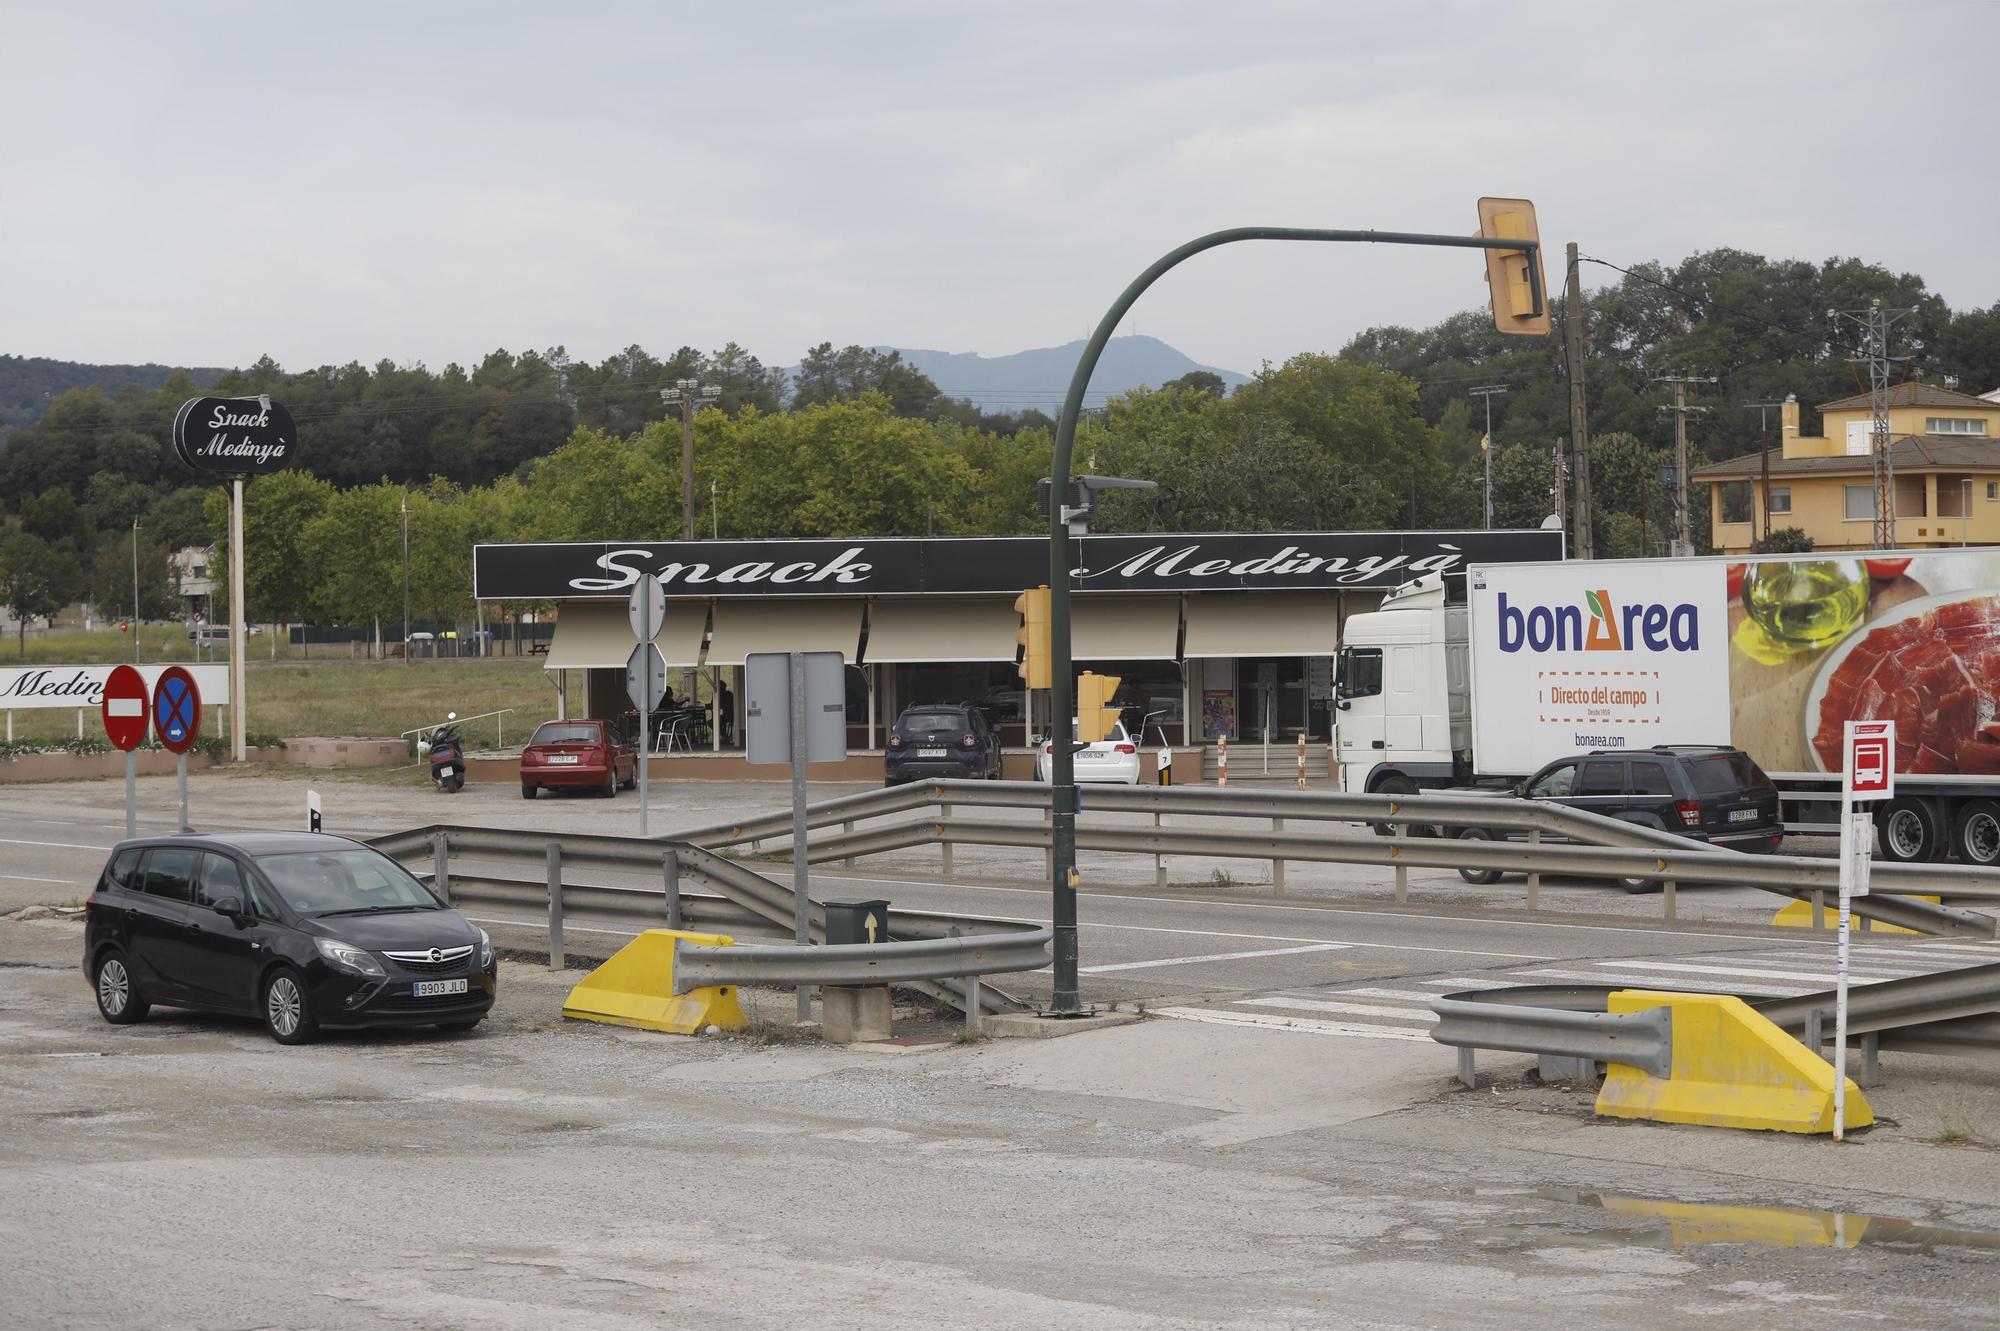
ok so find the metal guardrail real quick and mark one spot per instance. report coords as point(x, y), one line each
point(1638, 1039)
point(1585, 844)
point(862, 963)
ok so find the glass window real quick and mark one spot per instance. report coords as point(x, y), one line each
point(1604, 776)
point(1953, 491)
point(322, 882)
point(1954, 425)
point(1993, 489)
point(1554, 783)
point(1736, 501)
point(1360, 672)
point(561, 732)
point(1860, 503)
point(122, 871)
point(1650, 778)
point(169, 874)
point(1781, 499)
point(1911, 499)
point(1724, 774)
point(219, 878)
point(911, 722)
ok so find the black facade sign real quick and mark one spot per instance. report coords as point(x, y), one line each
point(885, 566)
point(238, 436)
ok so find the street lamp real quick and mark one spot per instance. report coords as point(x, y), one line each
point(1488, 392)
point(686, 393)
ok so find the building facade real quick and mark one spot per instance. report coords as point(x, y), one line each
point(1945, 447)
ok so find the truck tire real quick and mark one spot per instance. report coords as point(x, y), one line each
point(1975, 834)
point(1480, 877)
point(1394, 786)
point(1911, 831)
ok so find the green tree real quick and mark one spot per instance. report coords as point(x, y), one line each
point(826, 375)
point(36, 581)
point(598, 487)
point(110, 582)
point(1206, 382)
point(359, 539)
point(181, 519)
point(281, 569)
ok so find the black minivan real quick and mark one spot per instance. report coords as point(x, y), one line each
point(304, 930)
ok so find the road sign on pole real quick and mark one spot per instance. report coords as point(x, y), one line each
point(1867, 773)
point(125, 715)
point(646, 675)
point(177, 723)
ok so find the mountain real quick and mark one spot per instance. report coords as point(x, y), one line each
point(1040, 377)
point(29, 383)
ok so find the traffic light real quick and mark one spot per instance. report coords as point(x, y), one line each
point(1094, 713)
point(1031, 663)
point(1519, 293)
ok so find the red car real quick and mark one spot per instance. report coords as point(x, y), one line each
point(579, 755)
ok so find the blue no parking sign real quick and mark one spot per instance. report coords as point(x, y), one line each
point(176, 709)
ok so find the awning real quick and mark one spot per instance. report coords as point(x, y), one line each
point(598, 635)
point(744, 628)
point(926, 629)
point(1262, 624)
point(1124, 628)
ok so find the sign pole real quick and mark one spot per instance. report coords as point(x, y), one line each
point(796, 674)
point(647, 628)
point(1840, 969)
point(131, 795)
point(237, 613)
point(123, 706)
point(1868, 773)
point(181, 775)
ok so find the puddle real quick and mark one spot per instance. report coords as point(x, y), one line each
point(1687, 1224)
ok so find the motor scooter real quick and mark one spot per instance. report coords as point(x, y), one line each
point(447, 756)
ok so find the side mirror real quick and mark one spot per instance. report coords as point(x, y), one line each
point(230, 906)
point(1521, 790)
point(1342, 704)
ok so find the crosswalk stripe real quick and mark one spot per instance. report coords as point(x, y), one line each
point(1212, 956)
point(1305, 1025)
point(1874, 961)
point(1984, 951)
point(1413, 995)
point(1468, 984)
point(1661, 982)
point(1350, 1009)
point(1824, 976)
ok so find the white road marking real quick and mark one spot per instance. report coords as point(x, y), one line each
point(1213, 956)
point(1350, 1009)
point(1662, 982)
point(1825, 979)
point(1412, 995)
point(1470, 984)
point(1303, 1025)
point(58, 845)
point(1987, 951)
point(30, 878)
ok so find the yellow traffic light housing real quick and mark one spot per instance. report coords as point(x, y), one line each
point(1519, 292)
point(1031, 662)
point(1094, 713)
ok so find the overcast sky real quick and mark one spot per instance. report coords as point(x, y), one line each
point(200, 184)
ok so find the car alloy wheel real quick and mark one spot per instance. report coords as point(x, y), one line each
point(114, 987)
point(284, 1007)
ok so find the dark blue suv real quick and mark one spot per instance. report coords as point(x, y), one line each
point(933, 740)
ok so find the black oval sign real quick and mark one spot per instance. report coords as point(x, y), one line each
point(236, 435)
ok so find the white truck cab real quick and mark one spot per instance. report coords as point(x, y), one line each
point(1403, 691)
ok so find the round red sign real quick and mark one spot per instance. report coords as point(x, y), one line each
point(176, 709)
point(124, 708)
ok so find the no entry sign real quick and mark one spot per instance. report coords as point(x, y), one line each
point(124, 708)
point(176, 709)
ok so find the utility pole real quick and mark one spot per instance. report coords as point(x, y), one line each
point(135, 591)
point(1683, 541)
point(1579, 416)
point(1873, 326)
point(686, 393)
point(406, 579)
point(1488, 392)
point(1764, 448)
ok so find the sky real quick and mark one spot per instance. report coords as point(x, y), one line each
point(205, 183)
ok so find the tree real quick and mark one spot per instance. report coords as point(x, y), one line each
point(359, 537)
point(180, 519)
point(55, 517)
point(281, 570)
point(36, 580)
point(1788, 541)
point(1206, 382)
point(826, 375)
point(598, 487)
point(110, 582)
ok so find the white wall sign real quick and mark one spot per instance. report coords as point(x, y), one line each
point(26, 688)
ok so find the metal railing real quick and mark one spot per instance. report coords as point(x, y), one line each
point(862, 963)
point(1424, 832)
point(1639, 1039)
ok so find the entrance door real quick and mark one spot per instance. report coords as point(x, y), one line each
point(1274, 697)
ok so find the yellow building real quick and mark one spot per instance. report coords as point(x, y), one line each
point(1946, 449)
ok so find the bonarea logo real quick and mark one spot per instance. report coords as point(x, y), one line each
point(1635, 626)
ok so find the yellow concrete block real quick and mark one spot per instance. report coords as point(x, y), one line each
point(1732, 1068)
point(1798, 915)
point(635, 987)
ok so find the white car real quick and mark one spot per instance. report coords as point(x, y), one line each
point(1114, 759)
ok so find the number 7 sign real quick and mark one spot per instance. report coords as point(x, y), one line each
point(1871, 760)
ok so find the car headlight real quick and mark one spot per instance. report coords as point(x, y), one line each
point(485, 951)
point(348, 957)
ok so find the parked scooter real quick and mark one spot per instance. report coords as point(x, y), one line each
point(447, 756)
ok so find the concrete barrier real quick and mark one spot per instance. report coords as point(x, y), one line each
point(635, 987)
point(1732, 1068)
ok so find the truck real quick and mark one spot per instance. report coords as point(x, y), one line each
point(1478, 680)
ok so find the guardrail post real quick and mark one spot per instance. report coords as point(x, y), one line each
point(1534, 876)
point(846, 829)
point(1468, 1075)
point(1277, 864)
point(1399, 839)
point(1160, 860)
point(972, 996)
point(1819, 909)
point(441, 865)
point(670, 883)
point(1667, 899)
point(944, 844)
point(1871, 1066)
point(555, 907)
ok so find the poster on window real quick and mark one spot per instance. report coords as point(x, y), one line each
point(1218, 713)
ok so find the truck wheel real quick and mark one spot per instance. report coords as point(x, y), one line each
point(1480, 876)
point(1976, 835)
point(1395, 787)
point(1910, 831)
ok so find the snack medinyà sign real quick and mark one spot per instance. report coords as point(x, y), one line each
point(235, 435)
point(27, 688)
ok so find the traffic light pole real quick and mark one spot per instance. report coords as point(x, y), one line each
point(1065, 1001)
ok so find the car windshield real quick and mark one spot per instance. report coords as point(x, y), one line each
point(556, 732)
point(914, 721)
point(332, 882)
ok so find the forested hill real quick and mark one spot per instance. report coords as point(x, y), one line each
point(28, 384)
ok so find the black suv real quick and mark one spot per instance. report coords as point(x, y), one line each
point(302, 929)
point(941, 740)
point(1704, 792)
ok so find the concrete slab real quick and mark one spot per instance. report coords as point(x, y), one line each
point(1034, 1026)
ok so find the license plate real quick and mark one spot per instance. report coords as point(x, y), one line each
point(1743, 816)
point(562, 758)
point(930, 753)
point(1090, 755)
point(437, 988)
point(447, 770)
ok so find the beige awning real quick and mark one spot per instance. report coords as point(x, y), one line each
point(930, 628)
point(1124, 628)
point(1263, 624)
point(748, 626)
point(598, 635)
